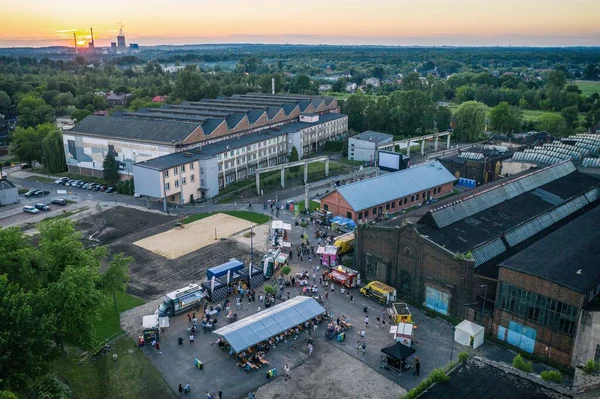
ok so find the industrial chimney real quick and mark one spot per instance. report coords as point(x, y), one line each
point(91, 43)
point(75, 41)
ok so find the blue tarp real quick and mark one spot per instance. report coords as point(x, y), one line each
point(263, 325)
point(221, 270)
point(346, 223)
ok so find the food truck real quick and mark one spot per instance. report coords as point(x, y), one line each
point(181, 300)
point(344, 276)
point(345, 243)
point(151, 326)
point(399, 313)
point(379, 291)
point(328, 255)
point(273, 260)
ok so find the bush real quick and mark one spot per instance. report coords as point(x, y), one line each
point(269, 289)
point(463, 356)
point(286, 270)
point(53, 388)
point(333, 146)
point(590, 367)
point(521, 364)
point(552, 375)
point(303, 224)
point(439, 375)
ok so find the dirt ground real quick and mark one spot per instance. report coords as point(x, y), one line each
point(177, 242)
point(153, 275)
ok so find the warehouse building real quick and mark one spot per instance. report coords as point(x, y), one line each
point(448, 259)
point(198, 173)
point(544, 292)
point(363, 146)
point(480, 163)
point(140, 136)
point(378, 197)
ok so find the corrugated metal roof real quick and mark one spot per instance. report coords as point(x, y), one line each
point(371, 135)
point(453, 212)
point(488, 251)
point(270, 322)
point(379, 190)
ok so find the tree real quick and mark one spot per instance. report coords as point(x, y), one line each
point(116, 276)
point(100, 103)
point(556, 79)
point(80, 114)
point(339, 86)
point(412, 81)
point(301, 84)
point(470, 120)
point(26, 144)
point(506, 119)
point(554, 124)
point(571, 115)
point(5, 103)
point(53, 153)
point(293, 154)
point(443, 116)
point(110, 168)
point(33, 111)
point(24, 339)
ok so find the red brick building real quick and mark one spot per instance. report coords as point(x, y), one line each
point(448, 258)
point(545, 289)
point(390, 193)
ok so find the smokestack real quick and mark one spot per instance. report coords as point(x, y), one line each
point(92, 44)
point(272, 85)
point(75, 41)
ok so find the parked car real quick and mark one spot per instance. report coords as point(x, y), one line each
point(71, 183)
point(59, 201)
point(4, 175)
point(138, 195)
point(31, 193)
point(85, 185)
point(80, 184)
point(103, 187)
point(25, 166)
point(62, 180)
point(93, 186)
point(109, 190)
point(42, 207)
point(30, 209)
point(41, 193)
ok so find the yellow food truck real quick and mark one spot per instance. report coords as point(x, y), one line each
point(379, 291)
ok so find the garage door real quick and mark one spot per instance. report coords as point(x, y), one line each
point(437, 300)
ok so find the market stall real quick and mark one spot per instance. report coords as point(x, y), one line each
point(469, 334)
point(403, 333)
point(328, 255)
point(399, 313)
point(394, 356)
point(344, 276)
point(279, 232)
point(151, 326)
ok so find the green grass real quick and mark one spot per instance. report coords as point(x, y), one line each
point(109, 323)
point(257, 218)
point(40, 179)
point(131, 376)
point(66, 214)
point(588, 87)
point(312, 206)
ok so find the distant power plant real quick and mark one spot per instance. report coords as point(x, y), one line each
point(118, 47)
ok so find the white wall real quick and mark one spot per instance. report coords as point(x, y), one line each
point(148, 181)
point(588, 338)
point(295, 139)
point(210, 176)
point(362, 150)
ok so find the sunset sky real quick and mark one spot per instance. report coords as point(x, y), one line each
point(391, 22)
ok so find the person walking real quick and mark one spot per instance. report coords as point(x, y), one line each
point(310, 349)
point(190, 319)
point(351, 298)
point(332, 288)
point(220, 394)
point(378, 322)
point(208, 395)
point(364, 348)
point(191, 339)
point(181, 387)
point(417, 366)
point(357, 347)
point(286, 369)
point(342, 290)
point(326, 295)
point(366, 321)
point(314, 278)
point(348, 293)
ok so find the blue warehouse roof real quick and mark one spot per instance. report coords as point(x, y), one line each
point(385, 188)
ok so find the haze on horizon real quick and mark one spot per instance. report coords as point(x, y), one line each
point(37, 23)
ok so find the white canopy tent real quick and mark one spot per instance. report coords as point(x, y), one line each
point(279, 225)
point(469, 334)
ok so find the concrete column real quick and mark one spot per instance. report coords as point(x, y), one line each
point(436, 143)
point(448, 142)
point(327, 167)
point(305, 172)
point(422, 147)
point(282, 177)
point(306, 196)
point(257, 182)
point(407, 149)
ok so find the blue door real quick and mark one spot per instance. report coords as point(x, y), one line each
point(437, 300)
point(521, 336)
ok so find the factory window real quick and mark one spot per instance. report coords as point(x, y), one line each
point(193, 178)
point(360, 216)
point(183, 180)
point(387, 207)
point(175, 170)
point(176, 183)
point(219, 157)
point(192, 166)
point(182, 168)
point(374, 211)
point(167, 173)
point(167, 186)
point(326, 207)
point(220, 168)
point(349, 215)
point(393, 204)
point(405, 200)
point(417, 196)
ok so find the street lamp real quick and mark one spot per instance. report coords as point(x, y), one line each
point(484, 299)
point(452, 345)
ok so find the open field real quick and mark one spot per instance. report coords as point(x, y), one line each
point(588, 87)
point(180, 241)
point(132, 376)
point(153, 275)
point(109, 323)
